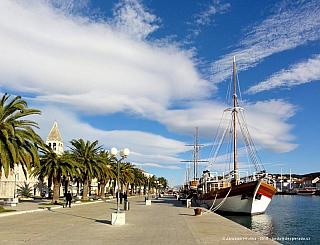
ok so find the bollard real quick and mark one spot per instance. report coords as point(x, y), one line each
point(188, 203)
point(197, 211)
point(126, 206)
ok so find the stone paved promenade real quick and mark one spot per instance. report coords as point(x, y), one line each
point(166, 221)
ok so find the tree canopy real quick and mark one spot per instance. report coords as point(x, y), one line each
point(18, 140)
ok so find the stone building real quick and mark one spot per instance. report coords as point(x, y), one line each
point(54, 139)
point(16, 178)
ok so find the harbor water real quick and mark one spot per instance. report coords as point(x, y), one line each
point(288, 220)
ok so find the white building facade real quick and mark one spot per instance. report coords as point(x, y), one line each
point(16, 178)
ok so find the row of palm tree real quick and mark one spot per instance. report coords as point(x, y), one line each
point(20, 144)
point(87, 161)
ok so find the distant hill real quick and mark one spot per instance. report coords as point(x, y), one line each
point(300, 176)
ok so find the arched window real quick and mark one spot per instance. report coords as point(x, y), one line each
point(54, 146)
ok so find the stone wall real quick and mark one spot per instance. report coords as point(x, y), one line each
point(15, 178)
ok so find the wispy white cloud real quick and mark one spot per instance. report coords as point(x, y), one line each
point(91, 66)
point(154, 165)
point(146, 148)
point(267, 121)
point(130, 16)
point(70, 6)
point(71, 64)
point(295, 24)
point(205, 17)
point(303, 72)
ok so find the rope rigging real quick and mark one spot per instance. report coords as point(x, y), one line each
point(237, 111)
point(248, 142)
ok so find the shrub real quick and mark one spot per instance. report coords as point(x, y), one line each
point(24, 190)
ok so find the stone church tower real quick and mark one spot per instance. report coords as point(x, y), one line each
point(54, 139)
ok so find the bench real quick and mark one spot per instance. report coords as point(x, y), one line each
point(12, 202)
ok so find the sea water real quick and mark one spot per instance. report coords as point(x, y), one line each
point(288, 220)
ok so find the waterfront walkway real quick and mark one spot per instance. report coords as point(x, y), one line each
point(165, 221)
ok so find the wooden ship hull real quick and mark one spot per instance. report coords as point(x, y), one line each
point(247, 198)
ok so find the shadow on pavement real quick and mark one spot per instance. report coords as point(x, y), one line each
point(187, 214)
point(166, 200)
point(106, 222)
point(83, 217)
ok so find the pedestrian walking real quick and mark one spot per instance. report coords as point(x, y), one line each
point(125, 197)
point(69, 199)
point(121, 196)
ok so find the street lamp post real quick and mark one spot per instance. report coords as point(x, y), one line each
point(148, 188)
point(124, 153)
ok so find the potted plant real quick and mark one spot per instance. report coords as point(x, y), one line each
point(197, 211)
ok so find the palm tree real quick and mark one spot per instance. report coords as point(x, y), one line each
point(146, 185)
point(18, 140)
point(153, 183)
point(126, 175)
point(107, 172)
point(139, 179)
point(51, 164)
point(163, 182)
point(40, 185)
point(86, 154)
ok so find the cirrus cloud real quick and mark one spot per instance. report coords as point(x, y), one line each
point(303, 72)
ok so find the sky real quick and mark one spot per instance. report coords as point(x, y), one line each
point(144, 74)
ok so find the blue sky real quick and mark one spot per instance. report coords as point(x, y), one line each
point(145, 74)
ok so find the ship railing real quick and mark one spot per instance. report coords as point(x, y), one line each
point(209, 177)
point(258, 176)
point(244, 179)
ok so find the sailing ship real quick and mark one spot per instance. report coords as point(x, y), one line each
point(230, 193)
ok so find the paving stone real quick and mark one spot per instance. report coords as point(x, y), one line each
point(166, 221)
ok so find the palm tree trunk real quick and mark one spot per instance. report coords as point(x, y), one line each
point(56, 190)
point(49, 186)
point(89, 187)
point(66, 185)
point(85, 189)
point(78, 187)
point(102, 188)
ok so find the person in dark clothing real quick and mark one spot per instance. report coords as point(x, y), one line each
point(125, 197)
point(69, 199)
point(121, 196)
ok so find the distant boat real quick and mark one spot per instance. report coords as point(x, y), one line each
point(230, 194)
point(306, 192)
point(286, 193)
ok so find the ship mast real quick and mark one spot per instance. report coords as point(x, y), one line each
point(234, 115)
point(196, 149)
point(195, 161)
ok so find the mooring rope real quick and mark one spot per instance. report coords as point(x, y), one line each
point(220, 204)
point(210, 209)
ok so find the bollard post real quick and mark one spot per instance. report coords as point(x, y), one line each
point(188, 203)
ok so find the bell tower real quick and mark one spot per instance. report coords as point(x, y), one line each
point(54, 139)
